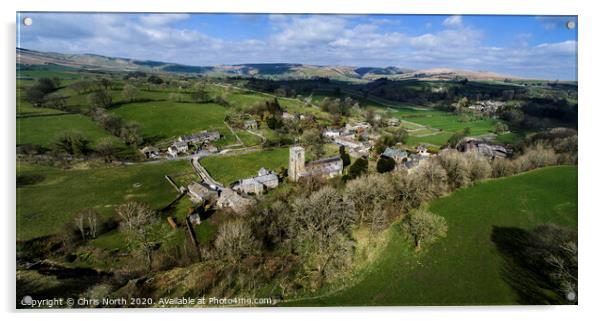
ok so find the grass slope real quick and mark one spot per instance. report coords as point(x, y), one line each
point(44, 130)
point(46, 205)
point(165, 119)
point(464, 268)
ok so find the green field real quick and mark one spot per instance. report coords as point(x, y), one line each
point(464, 268)
point(53, 196)
point(441, 124)
point(228, 169)
point(165, 119)
point(44, 130)
point(453, 123)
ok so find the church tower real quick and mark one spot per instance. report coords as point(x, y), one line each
point(296, 162)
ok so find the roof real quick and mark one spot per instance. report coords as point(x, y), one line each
point(149, 149)
point(266, 178)
point(394, 153)
point(325, 160)
point(180, 144)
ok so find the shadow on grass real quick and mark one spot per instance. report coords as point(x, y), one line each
point(539, 265)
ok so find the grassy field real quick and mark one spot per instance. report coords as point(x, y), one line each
point(442, 124)
point(53, 196)
point(44, 130)
point(228, 169)
point(165, 119)
point(464, 268)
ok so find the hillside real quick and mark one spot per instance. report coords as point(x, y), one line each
point(465, 268)
point(267, 70)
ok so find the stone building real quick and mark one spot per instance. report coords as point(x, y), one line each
point(480, 146)
point(398, 155)
point(204, 136)
point(264, 180)
point(326, 167)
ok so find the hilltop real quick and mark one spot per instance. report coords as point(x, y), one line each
point(263, 70)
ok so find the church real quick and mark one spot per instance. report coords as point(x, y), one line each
point(326, 167)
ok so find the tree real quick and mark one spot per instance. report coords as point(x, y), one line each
point(87, 216)
point(155, 80)
point(478, 165)
point(129, 134)
point(344, 156)
point(462, 104)
point(235, 241)
point(371, 195)
point(313, 142)
point(129, 92)
point(105, 83)
point(37, 93)
point(358, 168)
point(106, 148)
point(100, 99)
point(137, 223)
point(72, 143)
point(319, 226)
point(456, 166)
point(385, 164)
point(425, 227)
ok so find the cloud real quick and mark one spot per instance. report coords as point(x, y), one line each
point(311, 39)
point(453, 21)
point(158, 20)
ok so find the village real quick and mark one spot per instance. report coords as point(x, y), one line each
point(358, 138)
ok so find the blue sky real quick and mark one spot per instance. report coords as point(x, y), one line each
point(524, 46)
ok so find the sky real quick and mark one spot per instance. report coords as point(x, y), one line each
point(541, 47)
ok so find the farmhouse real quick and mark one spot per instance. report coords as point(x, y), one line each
point(348, 141)
point(486, 106)
point(250, 124)
point(398, 155)
point(229, 198)
point(480, 146)
point(200, 192)
point(326, 167)
point(414, 161)
point(331, 133)
point(357, 127)
point(210, 148)
point(200, 137)
point(356, 149)
point(150, 152)
point(177, 147)
point(264, 180)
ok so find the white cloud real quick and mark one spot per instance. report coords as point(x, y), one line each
point(453, 21)
point(159, 20)
point(313, 39)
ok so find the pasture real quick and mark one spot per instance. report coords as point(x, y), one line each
point(49, 197)
point(228, 169)
point(165, 120)
point(44, 130)
point(464, 268)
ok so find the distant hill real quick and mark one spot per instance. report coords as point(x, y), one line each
point(267, 70)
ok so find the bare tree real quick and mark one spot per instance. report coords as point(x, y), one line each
point(89, 216)
point(235, 240)
point(137, 223)
point(456, 166)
